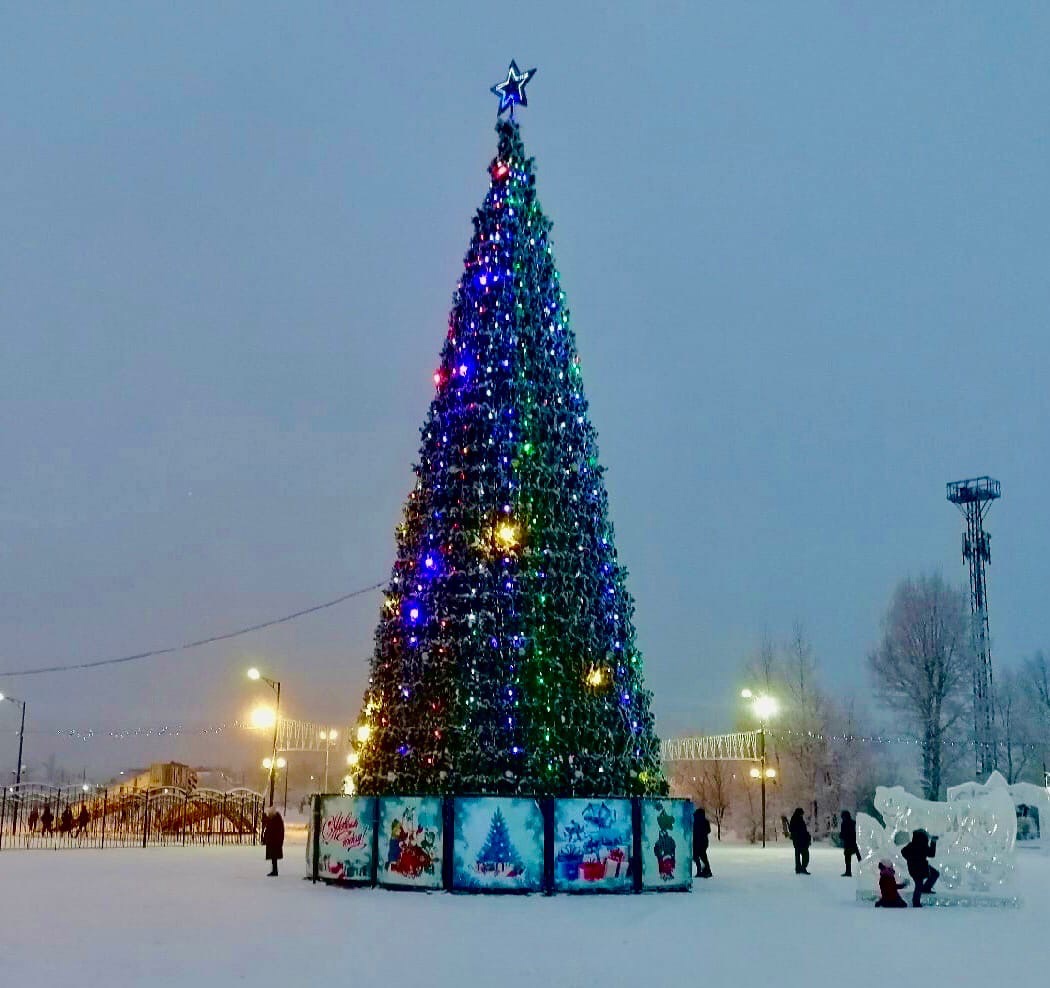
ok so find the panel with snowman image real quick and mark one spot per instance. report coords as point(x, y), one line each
point(667, 844)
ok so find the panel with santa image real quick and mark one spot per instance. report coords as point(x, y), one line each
point(347, 838)
point(667, 844)
point(410, 841)
point(498, 844)
point(593, 841)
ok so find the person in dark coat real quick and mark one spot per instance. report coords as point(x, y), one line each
point(34, 815)
point(65, 824)
point(917, 853)
point(83, 819)
point(848, 835)
point(47, 818)
point(701, 840)
point(889, 887)
point(273, 838)
point(801, 840)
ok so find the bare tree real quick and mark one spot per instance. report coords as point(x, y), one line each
point(923, 665)
point(716, 793)
point(1037, 681)
point(706, 783)
point(1036, 687)
point(1015, 721)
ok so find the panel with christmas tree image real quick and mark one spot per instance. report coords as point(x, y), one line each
point(592, 845)
point(411, 834)
point(667, 844)
point(498, 844)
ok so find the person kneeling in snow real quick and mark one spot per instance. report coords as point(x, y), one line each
point(889, 896)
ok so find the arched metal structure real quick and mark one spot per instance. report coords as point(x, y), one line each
point(34, 815)
point(744, 746)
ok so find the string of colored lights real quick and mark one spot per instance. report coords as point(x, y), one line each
point(200, 643)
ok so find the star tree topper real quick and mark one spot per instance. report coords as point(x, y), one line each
point(512, 89)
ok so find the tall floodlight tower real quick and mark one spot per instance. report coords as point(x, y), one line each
point(974, 498)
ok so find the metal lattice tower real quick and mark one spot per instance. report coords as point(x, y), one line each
point(974, 498)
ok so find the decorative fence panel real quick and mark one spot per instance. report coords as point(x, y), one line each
point(502, 844)
point(37, 816)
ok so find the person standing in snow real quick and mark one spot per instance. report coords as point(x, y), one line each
point(848, 835)
point(47, 819)
point(701, 841)
point(801, 840)
point(273, 838)
point(917, 853)
point(889, 894)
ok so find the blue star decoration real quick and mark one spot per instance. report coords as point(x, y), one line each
point(512, 89)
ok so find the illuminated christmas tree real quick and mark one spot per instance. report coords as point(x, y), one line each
point(505, 658)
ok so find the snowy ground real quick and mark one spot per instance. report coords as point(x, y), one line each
point(209, 917)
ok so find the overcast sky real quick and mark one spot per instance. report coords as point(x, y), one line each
point(806, 251)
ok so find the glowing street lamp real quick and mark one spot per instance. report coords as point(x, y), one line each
point(262, 718)
point(255, 676)
point(763, 707)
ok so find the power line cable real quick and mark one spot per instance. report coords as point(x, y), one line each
point(154, 653)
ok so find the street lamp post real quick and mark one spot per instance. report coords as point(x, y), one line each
point(764, 707)
point(275, 685)
point(271, 765)
point(328, 737)
point(21, 737)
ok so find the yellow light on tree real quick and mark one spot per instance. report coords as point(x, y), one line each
point(364, 732)
point(506, 535)
point(596, 677)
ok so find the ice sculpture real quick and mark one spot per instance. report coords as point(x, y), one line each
point(1031, 802)
point(976, 830)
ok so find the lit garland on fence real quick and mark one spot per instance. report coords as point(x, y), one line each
point(900, 739)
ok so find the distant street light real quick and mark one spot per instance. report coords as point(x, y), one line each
point(327, 737)
point(255, 675)
point(763, 707)
point(21, 736)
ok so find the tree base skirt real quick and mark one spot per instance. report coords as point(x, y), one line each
point(502, 845)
